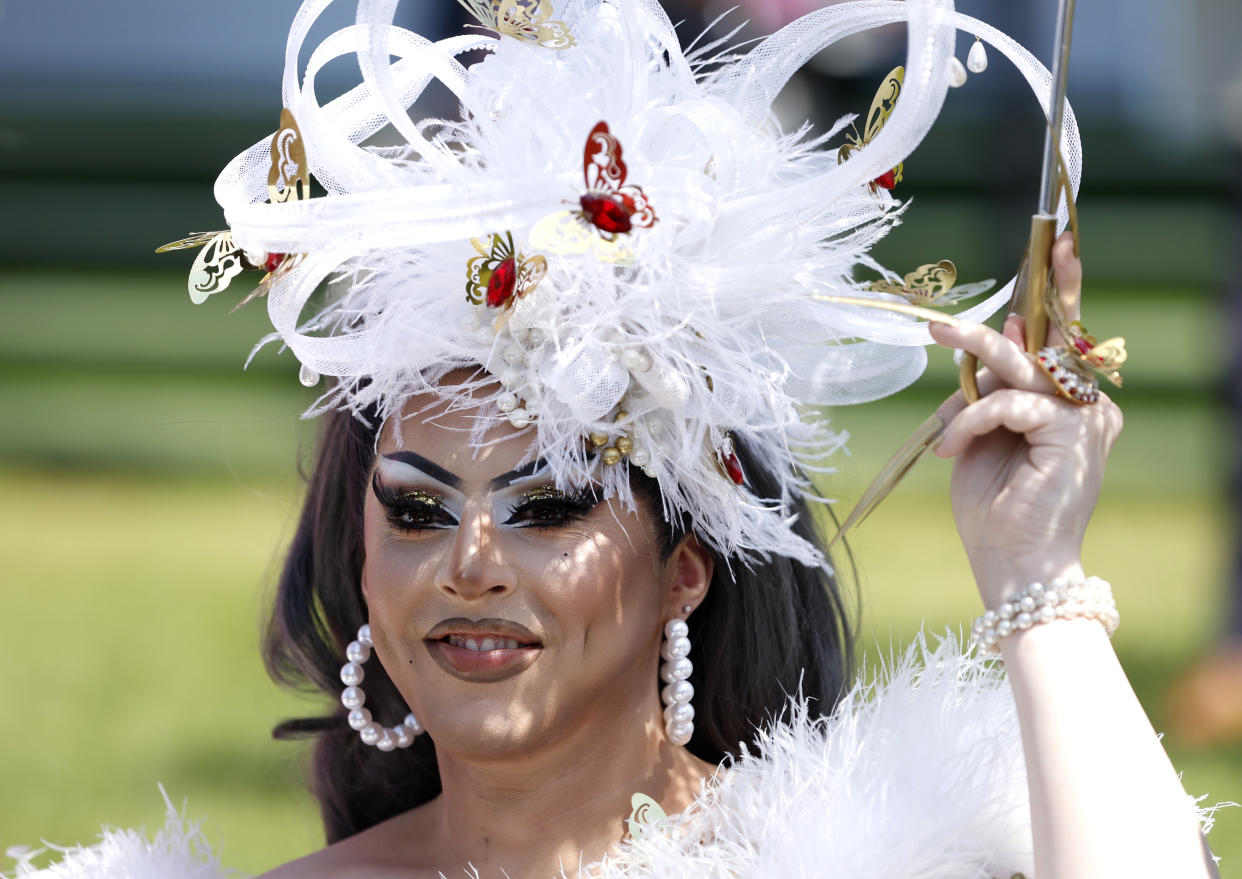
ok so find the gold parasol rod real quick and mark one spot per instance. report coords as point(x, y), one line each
point(1029, 286)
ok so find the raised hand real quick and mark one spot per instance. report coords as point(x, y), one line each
point(1029, 463)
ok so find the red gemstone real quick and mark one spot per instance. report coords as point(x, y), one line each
point(501, 284)
point(273, 261)
point(887, 180)
point(609, 213)
point(1082, 344)
point(733, 467)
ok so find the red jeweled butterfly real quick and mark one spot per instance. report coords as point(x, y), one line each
point(611, 205)
point(499, 272)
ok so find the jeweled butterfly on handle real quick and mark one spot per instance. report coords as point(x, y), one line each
point(499, 272)
point(611, 205)
point(1104, 357)
point(1090, 354)
point(932, 285)
point(882, 106)
point(527, 20)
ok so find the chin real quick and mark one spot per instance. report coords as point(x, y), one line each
point(490, 729)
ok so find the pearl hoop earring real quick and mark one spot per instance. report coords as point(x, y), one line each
point(385, 738)
point(678, 691)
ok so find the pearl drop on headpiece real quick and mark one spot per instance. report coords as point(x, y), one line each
point(977, 57)
point(957, 73)
point(307, 376)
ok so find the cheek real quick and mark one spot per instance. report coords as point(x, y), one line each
point(392, 566)
point(604, 591)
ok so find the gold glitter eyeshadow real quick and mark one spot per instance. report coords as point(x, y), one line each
point(418, 496)
point(543, 493)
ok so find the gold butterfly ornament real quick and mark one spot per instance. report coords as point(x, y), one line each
point(932, 286)
point(1073, 367)
point(527, 20)
point(220, 259)
point(882, 106)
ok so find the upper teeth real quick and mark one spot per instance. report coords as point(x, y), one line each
point(484, 643)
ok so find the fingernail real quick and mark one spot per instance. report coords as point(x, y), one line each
point(946, 321)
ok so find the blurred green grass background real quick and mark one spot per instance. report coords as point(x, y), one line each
point(149, 487)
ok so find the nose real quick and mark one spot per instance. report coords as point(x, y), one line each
point(474, 566)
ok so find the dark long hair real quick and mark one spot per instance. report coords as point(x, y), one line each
point(761, 633)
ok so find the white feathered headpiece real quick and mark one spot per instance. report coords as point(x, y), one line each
point(616, 229)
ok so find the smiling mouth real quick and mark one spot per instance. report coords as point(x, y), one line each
point(484, 651)
point(483, 643)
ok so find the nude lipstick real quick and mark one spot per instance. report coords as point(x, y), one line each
point(482, 651)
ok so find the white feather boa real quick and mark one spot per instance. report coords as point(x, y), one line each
point(918, 774)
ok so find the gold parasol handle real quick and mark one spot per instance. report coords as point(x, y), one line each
point(1028, 298)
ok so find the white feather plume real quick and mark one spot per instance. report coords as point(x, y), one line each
point(179, 849)
point(918, 774)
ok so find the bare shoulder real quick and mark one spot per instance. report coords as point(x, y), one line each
point(394, 848)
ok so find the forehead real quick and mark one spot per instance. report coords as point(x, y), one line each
point(441, 431)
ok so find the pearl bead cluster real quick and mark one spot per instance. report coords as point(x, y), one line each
point(678, 691)
point(519, 408)
point(1061, 599)
point(385, 738)
point(625, 445)
point(520, 401)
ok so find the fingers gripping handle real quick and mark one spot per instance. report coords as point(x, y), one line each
point(1028, 298)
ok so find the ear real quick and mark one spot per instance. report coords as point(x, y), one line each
point(688, 576)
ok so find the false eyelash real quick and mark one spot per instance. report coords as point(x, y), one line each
point(415, 502)
point(548, 507)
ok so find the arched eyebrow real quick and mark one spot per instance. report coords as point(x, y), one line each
point(431, 468)
point(435, 471)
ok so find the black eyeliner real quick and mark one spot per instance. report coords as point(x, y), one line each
point(549, 508)
point(415, 503)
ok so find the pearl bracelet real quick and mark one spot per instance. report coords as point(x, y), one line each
point(1061, 599)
